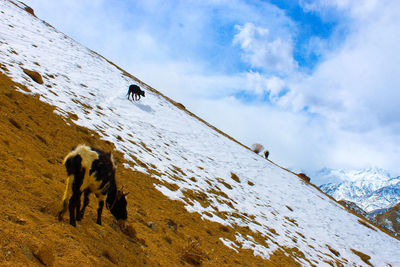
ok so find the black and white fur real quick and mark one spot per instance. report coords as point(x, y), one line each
point(91, 171)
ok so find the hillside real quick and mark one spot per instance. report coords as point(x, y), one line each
point(33, 142)
point(390, 219)
point(196, 196)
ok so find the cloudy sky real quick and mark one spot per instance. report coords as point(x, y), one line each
point(315, 82)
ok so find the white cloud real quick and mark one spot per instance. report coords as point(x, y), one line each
point(357, 9)
point(356, 90)
point(357, 85)
point(185, 82)
point(260, 84)
point(261, 50)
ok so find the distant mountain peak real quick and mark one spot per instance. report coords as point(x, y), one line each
point(371, 188)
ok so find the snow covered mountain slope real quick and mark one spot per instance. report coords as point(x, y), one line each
point(370, 189)
point(211, 174)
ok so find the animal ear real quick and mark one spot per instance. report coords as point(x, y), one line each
point(120, 192)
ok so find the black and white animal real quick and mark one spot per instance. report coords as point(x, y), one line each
point(135, 91)
point(91, 170)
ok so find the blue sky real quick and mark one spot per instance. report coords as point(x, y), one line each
point(316, 82)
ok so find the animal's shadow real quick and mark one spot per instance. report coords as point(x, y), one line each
point(143, 107)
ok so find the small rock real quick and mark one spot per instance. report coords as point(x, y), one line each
point(34, 75)
point(168, 239)
point(129, 230)
point(152, 225)
point(115, 226)
point(20, 221)
point(45, 255)
point(27, 251)
point(172, 225)
point(48, 175)
point(15, 123)
point(106, 253)
point(304, 177)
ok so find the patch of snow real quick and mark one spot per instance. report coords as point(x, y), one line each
point(229, 244)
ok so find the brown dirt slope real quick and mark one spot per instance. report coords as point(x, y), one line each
point(33, 142)
point(391, 219)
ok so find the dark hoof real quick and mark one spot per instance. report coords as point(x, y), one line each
point(73, 224)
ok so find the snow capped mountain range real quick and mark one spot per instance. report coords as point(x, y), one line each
point(370, 189)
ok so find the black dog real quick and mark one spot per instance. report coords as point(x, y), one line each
point(134, 90)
